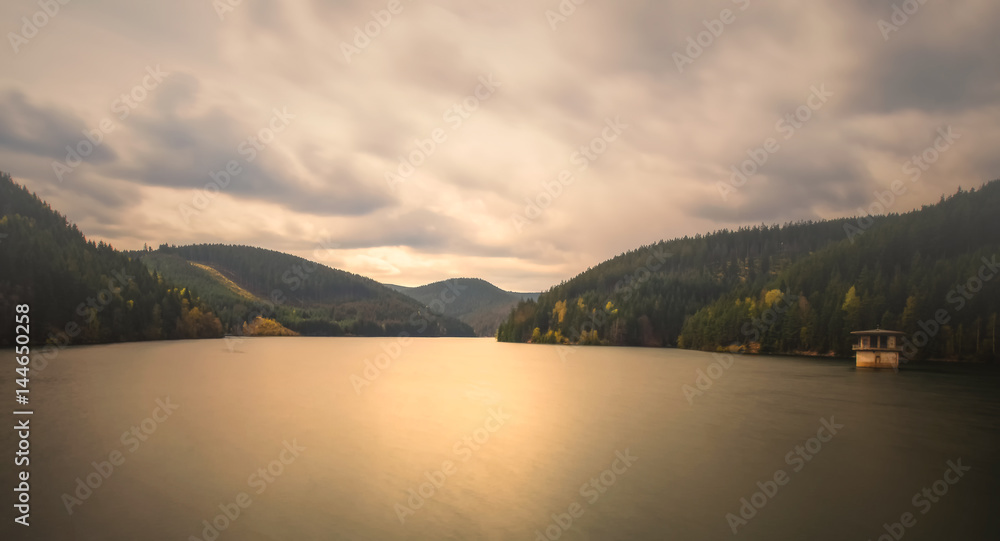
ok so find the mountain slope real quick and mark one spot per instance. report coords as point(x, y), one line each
point(477, 302)
point(801, 287)
point(241, 282)
point(79, 291)
point(903, 273)
point(652, 289)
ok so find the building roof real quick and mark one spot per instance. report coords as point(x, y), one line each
point(880, 331)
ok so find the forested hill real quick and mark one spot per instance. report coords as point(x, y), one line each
point(242, 282)
point(78, 291)
point(477, 302)
point(798, 288)
point(642, 297)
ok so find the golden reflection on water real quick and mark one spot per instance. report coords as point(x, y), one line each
point(471, 439)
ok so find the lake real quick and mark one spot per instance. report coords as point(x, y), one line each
point(466, 439)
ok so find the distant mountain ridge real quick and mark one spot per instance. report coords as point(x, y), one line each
point(79, 291)
point(306, 297)
point(475, 301)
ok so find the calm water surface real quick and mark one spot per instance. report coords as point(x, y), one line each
point(469, 439)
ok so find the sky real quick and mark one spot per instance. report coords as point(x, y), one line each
point(520, 141)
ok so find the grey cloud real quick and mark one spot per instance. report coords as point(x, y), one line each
point(182, 151)
point(44, 131)
point(167, 29)
point(929, 80)
point(935, 62)
point(438, 64)
point(177, 90)
point(792, 186)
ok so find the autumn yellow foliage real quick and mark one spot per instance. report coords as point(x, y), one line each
point(263, 326)
point(559, 312)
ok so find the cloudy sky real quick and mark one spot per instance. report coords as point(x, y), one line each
point(412, 136)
